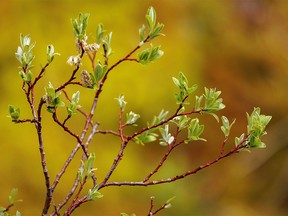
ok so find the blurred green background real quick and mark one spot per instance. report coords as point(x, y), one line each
point(238, 46)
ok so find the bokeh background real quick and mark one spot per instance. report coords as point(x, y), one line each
point(237, 46)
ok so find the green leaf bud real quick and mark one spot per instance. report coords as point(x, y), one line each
point(195, 130)
point(14, 113)
point(122, 103)
point(132, 118)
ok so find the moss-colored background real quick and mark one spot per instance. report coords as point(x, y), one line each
point(237, 46)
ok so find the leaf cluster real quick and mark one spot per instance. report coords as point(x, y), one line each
point(195, 130)
point(52, 98)
point(167, 138)
point(72, 109)
point(25, 56)
point(184, 90)
point(80, 25)
point(212, 102)
point(4, 211)
point(85, 173)
point(226, 126)
point(154, 27)
point(86, 170)
point(257, 123)
point(93, 80)
point(131, 118)
point(150, 54)
point(150, 135)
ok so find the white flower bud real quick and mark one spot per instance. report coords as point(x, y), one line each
point(74, 60)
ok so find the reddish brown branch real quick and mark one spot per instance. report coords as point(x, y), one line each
point(75, 200)
point(151, 213)
point(70, 132)
point(151, 206)
point(72, 77)
point(40, 75)
point(65, 127)
point(62, 171)
point(8, 208)
point(183, 175)
point(126, 58)
point(38, 125)
point(165, 157)
point(78, 109)
point(108, 132)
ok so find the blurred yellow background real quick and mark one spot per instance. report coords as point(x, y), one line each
point(238, 46)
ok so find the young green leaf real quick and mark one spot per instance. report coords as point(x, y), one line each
point(52, 98)
point(226, 126)
point(145, 137)
point(14, 113)
point(256, 128)
point(100, 71)
point(151, 18)
point(50, 53)
point(76, 97)
point(211, 104)
point(25, 56)
point(167, 138)
point(239, 140)
point(168, 202)
point(12, 196)
point(149, 55)
point(89, 162)
point(157, 119)
point(74, 104)
point(195, 130)
point(86, 170)
point(99, 33)
point(94, 194)
point(131, 118)
point(184, 90)
point(142, 33)
point(107, 44)
point(80, 25)
point(181, 121)
point(122, 103)
point(156, 31)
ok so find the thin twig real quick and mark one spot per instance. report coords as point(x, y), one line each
point(74, 202)
point(24, 121)
point(108, 132)
point(72, 77)
point(183, 175)
point(151, 206)
point(65, 127)
point(40, 75)
point(165, 157)
point(69, 195)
